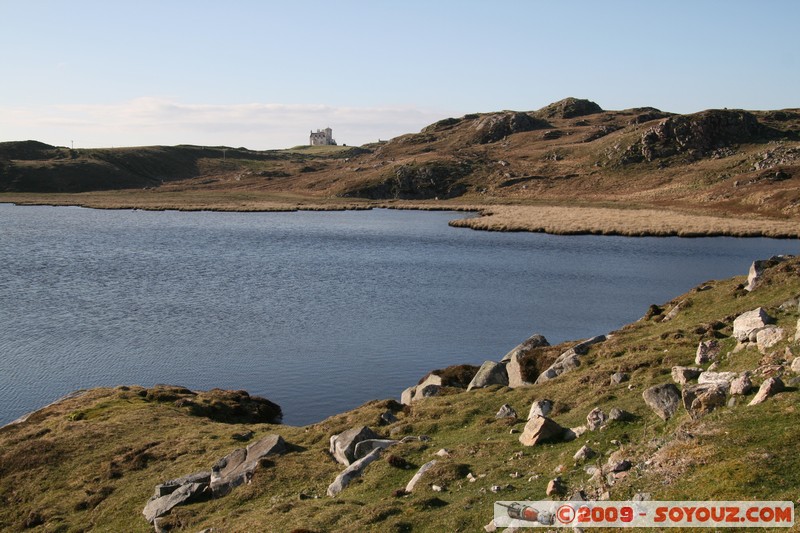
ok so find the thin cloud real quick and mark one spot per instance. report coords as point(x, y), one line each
point(150, 120)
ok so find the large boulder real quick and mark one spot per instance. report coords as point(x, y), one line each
point(237, 467)
point(343, 445)
point(768, 337)
point(741, 385)
point(516, 373)
point(351, 472)
point(430, 386)
point(540, 429)
point(540, 408)
point(723, 379)
point(534, 341)
point(490, 373)
point(747, 325)
point(663, 400)
point(569, 360)
point(703, 398)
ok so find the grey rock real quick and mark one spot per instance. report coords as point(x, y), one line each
point(364, 447)
point(237, 467)
point(701, 399)
point(515, 373)
point(741, 385)
point(353, 471)
point(707, 351)
point(595, 419)
point(506, 411)
point(757, 269)
point(619, 377)
point(188, 493)
point(168, 487)
point(770, 387)
point(388, 418)
point(569, 360)
point(663, 399)
point(430, 386)
point(619, 415)
point(617, 465)
point(540, 429)
point(343, 445)
point(747, 324)
point(723, 379)
point(407, 396)
point(680, 306)
point(683, 374)
point(421, 472)
point(540, 408)
point(426, 391)
point(534, 341)
point(584, 453)
point(768, 337)
point(490, 373)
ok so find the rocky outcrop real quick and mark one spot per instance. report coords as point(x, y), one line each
point(237, 467)
point(569, 108)
point(417, 181)
point(747, 325)
point(351, 472)
point(540, 429)
point(569, 360)
point(496, 126)
point(187, 493)
point(343, 445)
point(757, 269)
point(523, 348)
point(490, 373)
point(663, 400)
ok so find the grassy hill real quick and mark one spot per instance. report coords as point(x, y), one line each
point(92, 461)
point(722, 162)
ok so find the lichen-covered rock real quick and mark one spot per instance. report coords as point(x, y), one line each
point(707, 351)
point(534, 341)
point(746, 325)
point(663, 400)
point(741, 385)
point(595, 419)
point(237, 467)
point(343, 445)
point(506, 411)
point(770, 387)
point(701, 399)
point(683, 374)
point(768, 337)
point(490, 373)
point(540, 408)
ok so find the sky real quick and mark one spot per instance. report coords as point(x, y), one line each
point(262, 74)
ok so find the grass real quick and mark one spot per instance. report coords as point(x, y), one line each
point(92, 461)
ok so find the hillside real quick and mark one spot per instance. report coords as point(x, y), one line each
point(93, 460)
point(720, 162)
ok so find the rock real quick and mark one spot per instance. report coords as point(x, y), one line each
point(619, 377)
point(619, 415)
point(437, 488)
point(490, 373)
point(515, 372)
point(540, 429)
point(741, 385)
point(569, 108)
point(188, 493)
point(491, 527)
point(426, 391)
point(770, 387)
point(243, 436)
point(797, 332)
point(569, 360)
point(768, 337)
point(351, 472)
point(595, 419)
point(617, 465)
point(758, 267)
point(796, 365)
point(746, 325)
point(238, 467)
point(642, 497)
point(364, 447)
point(540, 408)
point(683, 374)
point(168, 487)
point(421, 472)
point(443, 453)
point(680, 306)
point(703, 398)
point(506, 411)
point(584, 453)
point(663, 399)
point(388, 418)
point(573, 433)
point(723, 379)
point(407, 396)
point(343, 446)
point(535, 341)
point(556, 487)
point(707, 351)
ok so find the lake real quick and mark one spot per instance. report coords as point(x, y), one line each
point(317, 311)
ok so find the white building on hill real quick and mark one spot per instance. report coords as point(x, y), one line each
point(322, 138)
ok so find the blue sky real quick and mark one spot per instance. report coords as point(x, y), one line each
point(262, 74)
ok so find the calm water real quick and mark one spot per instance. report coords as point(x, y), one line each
point(317, 311)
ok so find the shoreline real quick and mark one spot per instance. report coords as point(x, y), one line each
point(545, 218)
